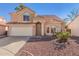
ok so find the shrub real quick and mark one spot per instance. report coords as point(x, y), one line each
point(62, 36)
point(69, 30)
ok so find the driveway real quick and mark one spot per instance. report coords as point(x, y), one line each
point(9, 46)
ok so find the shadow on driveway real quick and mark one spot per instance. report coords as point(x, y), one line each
point(40, 38)
point(9, 40)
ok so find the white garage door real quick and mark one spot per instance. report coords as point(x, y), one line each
point(21, 31)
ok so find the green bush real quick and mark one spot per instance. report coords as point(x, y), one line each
point(62, 36)
point(68, 30)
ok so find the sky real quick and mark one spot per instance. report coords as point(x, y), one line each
point(59, 9)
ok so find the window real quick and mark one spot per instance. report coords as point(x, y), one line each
point(26, 17)
point(52, 30)
point(47, 29)
point(58, 29)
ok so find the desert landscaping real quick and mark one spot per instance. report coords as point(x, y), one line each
point(49, 48)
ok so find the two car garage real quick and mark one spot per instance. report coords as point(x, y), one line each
point(20, 30)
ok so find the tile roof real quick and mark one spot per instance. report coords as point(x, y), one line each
point(20, 23)
point(54, 17)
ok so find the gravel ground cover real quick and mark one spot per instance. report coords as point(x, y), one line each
point(49, 48)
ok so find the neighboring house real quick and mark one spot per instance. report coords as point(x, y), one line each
point(26, 22)
point(2, 26)
point(74, 26)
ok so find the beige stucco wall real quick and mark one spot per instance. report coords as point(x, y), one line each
point(53, 23)
point(2, 29)
point(74, 26)
point(48, 22)
point(2, 25)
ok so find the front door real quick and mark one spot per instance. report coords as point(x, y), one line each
point(38, 29)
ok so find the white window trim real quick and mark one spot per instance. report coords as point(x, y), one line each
point(58, 29)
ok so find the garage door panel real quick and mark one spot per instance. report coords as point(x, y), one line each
point(21, 31)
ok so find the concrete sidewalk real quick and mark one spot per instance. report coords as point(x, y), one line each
point(9, 46)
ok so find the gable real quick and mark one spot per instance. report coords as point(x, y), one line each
point(18, 16)
point(26, 10)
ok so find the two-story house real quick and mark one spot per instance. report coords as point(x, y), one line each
point(26, 22)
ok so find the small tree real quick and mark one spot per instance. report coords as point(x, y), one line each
point(21, 6)
point(17, 8)
point(73, 14)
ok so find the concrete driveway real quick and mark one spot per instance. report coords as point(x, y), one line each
point(9, 46)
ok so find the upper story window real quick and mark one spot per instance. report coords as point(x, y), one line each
point(26, 17)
